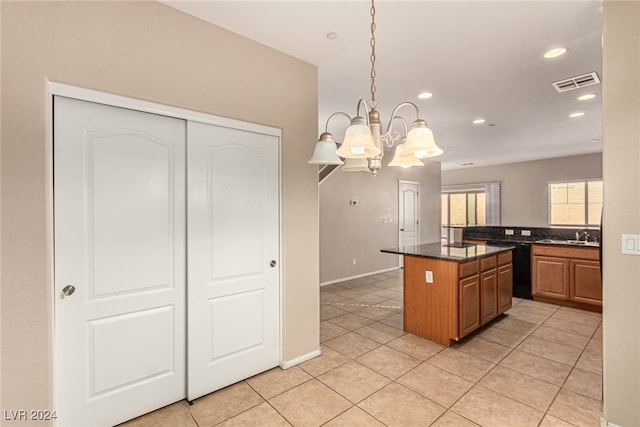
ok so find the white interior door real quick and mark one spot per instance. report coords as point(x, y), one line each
point(233, 245)
point(119, 194)
point(409, 214)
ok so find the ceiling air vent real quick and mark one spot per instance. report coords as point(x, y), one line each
point(576, 82)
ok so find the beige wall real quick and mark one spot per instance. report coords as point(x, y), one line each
point(149, 51)
point(348, 232)
point(524, 185)
point(621, 159)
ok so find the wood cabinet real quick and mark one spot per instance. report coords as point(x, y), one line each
point(488, 295)
point(566, 275)
point(550, 277)
point(462, 297)
point(585, 285)
point(505, 287)
point(469, 304)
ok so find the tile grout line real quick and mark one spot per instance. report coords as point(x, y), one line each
point(569, 375)
point(496, 364)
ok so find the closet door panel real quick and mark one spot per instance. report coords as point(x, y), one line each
point(233, 251)
point(120, 250)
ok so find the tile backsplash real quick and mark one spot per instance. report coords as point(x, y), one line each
point(528, 234)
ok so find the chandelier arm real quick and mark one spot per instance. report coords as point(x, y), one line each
point(339, 113)
point(391, 136)
point(366, 109)
point(395, 110)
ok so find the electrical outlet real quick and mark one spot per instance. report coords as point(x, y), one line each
point(428, 276)
point(508, 232)
point(354, 261)
point(525, 232)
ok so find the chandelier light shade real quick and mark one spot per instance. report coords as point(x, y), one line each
point(358, 141)
point(356, 165)
point(420, 142)
point(404, 161)
point(325, 151)
point(364, 141)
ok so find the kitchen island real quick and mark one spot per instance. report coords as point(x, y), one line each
point(452, 290)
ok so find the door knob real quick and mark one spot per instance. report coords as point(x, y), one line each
point(67, 291)
point(402, 229)
point(272, 263)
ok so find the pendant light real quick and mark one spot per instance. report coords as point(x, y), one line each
point(365, 138)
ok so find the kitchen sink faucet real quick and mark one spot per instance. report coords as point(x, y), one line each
point(580, 234)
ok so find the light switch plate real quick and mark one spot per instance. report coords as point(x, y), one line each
point(631, 244)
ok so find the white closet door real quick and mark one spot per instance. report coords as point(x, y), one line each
point(233, 247)
point(119, 194)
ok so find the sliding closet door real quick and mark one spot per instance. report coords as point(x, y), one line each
point(119, 194)
point(233, 251)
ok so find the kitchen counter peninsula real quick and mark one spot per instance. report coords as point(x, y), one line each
point(452, 290)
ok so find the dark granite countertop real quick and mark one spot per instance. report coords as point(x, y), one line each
point(457, 253)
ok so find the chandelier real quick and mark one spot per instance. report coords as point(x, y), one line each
point(365, 139)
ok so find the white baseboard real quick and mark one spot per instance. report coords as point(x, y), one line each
point(298, 360)
point(605, 423)
point(344, 279)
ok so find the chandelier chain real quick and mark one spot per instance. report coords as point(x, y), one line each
point(373, 54)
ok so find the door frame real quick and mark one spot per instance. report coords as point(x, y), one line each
point(400, 182)
point(69, 91)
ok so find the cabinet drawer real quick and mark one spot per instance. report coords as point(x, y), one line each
point(487, 263)
point(468, 268)
point(566, 252)
point(505, 258)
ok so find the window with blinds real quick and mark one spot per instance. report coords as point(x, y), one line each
point(575, 203)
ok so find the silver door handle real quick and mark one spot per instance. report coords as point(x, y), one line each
point(272, 263)
point(67, 291)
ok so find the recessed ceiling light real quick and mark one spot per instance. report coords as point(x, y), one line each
point(580, 114)
point(478, 121)
point(332, 35)
point(425, 95)
point(586, 97)
point(554, 53)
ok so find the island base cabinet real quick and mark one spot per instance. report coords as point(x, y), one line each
point(469, 304)
point(462, 297)
point(488, 296)
point(430, 309)
point(505, 287)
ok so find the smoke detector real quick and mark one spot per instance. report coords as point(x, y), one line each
point(576, 82)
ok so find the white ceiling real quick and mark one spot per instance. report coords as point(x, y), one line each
point(478, 58)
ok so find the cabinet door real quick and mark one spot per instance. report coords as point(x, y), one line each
point(550, 277)
point(505, 287)
point(585, 282)
point(469, 304)
point(488, 295)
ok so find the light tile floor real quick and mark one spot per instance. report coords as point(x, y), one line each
point(537, 365)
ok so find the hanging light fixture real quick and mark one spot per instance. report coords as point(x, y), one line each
point(365, 138)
